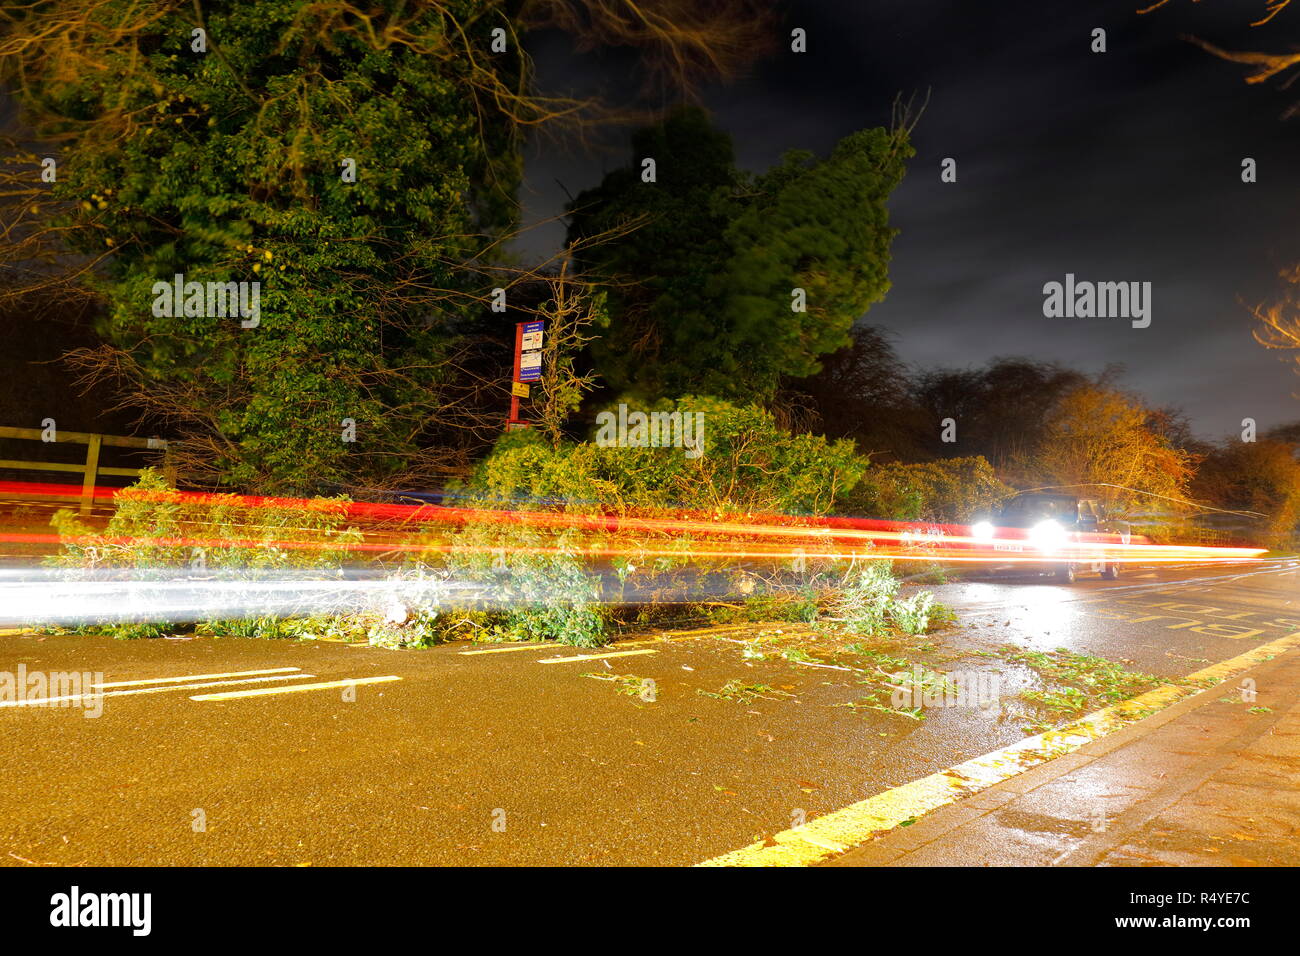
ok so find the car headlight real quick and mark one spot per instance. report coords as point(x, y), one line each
point(982, 531)
point(1047, 535)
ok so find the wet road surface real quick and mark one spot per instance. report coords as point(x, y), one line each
point(519, 755)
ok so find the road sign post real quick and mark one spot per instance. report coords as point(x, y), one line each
point(528, 367)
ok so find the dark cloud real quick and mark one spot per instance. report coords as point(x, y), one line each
point(1115, 166)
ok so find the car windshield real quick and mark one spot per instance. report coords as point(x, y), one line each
point(1042, 507)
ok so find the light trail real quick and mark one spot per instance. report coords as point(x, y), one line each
point(951, 540)
point(976, 552)
point(171, 594)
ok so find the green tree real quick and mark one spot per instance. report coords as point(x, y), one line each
point(226, 156)
point(703, 288)
point(218, 139)
point(660, 270)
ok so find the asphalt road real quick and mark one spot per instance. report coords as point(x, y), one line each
point(502, 758)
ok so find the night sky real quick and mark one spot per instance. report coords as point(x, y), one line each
point(1123, 166)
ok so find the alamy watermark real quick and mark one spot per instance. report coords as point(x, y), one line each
point(1102, 300)
point(637, 429)
point(920, 688)
point(26, 688)
point(133, 911)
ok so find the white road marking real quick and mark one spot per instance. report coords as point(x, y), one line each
point(32, 702)
point(507, 650)
point(266, 691)
point(595, 657)
point(194, 677)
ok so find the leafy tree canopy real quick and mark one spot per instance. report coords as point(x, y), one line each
point(703, 279)
point(222, 157)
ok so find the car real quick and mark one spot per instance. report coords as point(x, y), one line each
point(1042, 524)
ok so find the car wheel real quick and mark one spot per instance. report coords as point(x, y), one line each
point(1110, 571)
point(1065, 574)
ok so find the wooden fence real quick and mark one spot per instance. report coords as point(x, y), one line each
point(90, 469)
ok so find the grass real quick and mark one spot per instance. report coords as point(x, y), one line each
point(872, 702)
point(798, 607)
point(630, 685)
point(743, 693)
point(1078, 683)
point(878, 657)
point(914, 679)
point(882, 663)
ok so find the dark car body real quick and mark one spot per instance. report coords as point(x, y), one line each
point(1079, 519)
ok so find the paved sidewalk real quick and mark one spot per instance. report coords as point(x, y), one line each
point(1206, 782)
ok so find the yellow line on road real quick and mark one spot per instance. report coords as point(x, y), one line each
point(842, 829)
point(194, 677)
point(265, 691)
point(596, 657)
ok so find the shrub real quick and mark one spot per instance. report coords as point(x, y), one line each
point(748, 465)
point(864, 598)
point(865, 601)
point(159, 534)
point(554, 597)
point(526, 583)
point(953, 490)
point(573, 579)
point(912, 614)
point(128, 631)
point(156, 528)
point(422, 628)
